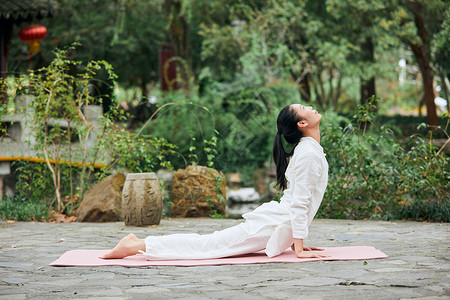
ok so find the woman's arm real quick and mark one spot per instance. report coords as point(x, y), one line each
point(307, 170)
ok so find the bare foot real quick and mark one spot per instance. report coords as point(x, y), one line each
point(129, 245)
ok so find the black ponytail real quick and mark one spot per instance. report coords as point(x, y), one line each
point(287, 127)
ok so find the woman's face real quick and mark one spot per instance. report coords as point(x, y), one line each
point(307, 114)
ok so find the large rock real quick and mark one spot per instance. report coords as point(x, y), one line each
point(103, 202)
point(198, 192)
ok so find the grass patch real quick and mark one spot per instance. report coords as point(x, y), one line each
point(431, 211)
point(22, 210)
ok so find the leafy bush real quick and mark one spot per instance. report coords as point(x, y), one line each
point(34, 184)
point(58, 114)
point(138, 154)
point(373, 176)
point(230, 126)
point(34, 181)
point(22, 210)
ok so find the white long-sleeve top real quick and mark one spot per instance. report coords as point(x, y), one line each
point(307, 178)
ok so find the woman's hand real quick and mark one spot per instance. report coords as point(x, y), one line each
point(306, 254)
point(303, 250)
point(306, 248)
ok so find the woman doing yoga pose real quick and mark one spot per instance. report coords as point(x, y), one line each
point(273, 226)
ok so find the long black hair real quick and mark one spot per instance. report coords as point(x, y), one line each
point(287, 127)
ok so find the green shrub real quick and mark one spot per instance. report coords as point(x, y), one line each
point(34, 184)
point(138, 154)
point(426, 210)
point(58, 114)
point(34, 181)
point(230, 126)
point(373, 176)
point(22, 210)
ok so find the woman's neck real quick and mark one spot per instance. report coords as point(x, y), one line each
point(315, 134)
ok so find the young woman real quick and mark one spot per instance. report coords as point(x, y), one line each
point(273, 226)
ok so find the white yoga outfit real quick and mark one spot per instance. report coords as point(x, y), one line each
point(272, 226)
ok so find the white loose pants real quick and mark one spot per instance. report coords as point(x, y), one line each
point(250, 236)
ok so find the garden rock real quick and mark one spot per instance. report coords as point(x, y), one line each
point(198, 191)
point(103, 202)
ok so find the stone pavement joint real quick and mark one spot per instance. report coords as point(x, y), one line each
point(417, 267)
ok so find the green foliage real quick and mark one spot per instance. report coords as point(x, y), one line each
point(59, 113)
point(34, 184)
point(250, 58)
point(373, 176)
point(34, 181)
point(22, 210)
point(3, 111)
point(138, 154)
point(426, 210)
point(219, 182)
point(187, 121)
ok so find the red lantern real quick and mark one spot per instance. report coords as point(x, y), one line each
point(32, 35)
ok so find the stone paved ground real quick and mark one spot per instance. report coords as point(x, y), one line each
point(417, 267)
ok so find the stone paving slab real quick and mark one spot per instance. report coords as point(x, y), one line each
point(417, 267)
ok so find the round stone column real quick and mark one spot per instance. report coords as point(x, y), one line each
point(141, 200)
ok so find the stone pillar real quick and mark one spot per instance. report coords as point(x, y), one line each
point(141, 200)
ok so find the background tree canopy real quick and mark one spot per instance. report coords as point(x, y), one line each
point(245, 59)
point(320, 45)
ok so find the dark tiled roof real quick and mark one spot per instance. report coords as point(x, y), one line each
point(26, 10)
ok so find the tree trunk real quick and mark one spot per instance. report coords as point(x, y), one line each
point(303, 86)
point(337, 94)
point(178, 33)
point(367, 89)
point(5, 40)
point(422, 55)
point(367, 85)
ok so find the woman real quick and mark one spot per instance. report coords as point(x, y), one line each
point(274, 226)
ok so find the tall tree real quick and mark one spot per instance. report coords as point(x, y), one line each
point(421, 50)
point(415, 23)
point(358, 23)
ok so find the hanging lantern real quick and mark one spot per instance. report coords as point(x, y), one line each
point(32, 35)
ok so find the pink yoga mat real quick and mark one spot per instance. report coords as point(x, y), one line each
point(89, 258)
